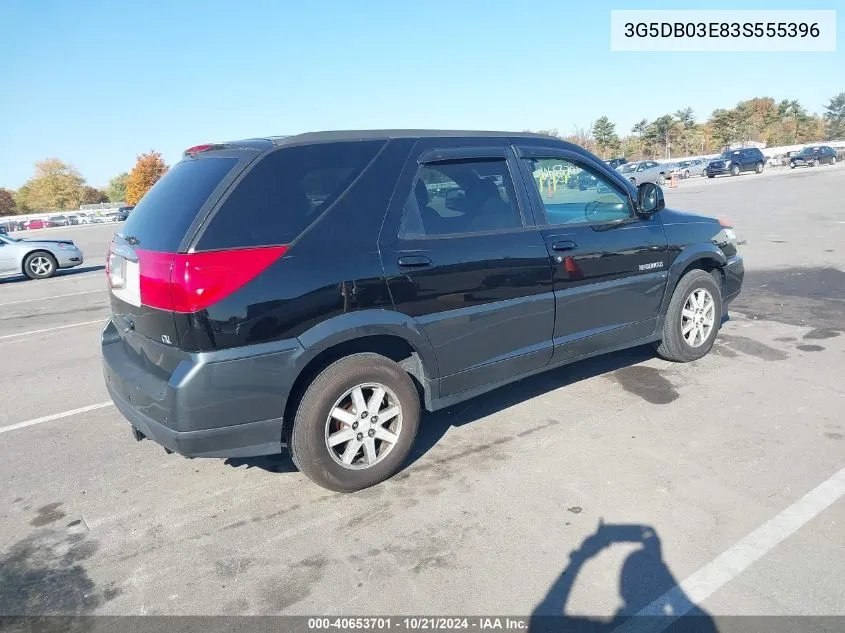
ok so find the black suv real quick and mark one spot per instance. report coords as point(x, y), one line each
point(813, 157)
point(734, 161)
point(316, 291)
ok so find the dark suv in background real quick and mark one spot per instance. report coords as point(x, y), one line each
point(317, 291)
point(734, 161)
point(813, 157)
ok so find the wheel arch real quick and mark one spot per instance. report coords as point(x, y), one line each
point(388, 333)
point(35, 251)
point(706, 257)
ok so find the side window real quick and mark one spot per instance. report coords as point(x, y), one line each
point(460, 196)
point(285, 192)
point(572, 194)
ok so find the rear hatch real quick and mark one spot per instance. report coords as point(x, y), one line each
point(147, 294)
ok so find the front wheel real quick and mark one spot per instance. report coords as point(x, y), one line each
point(633, 181)
point(661, 179)
point(356, 423)
point(710, 175)
point(832, 160)
point(40, 265)
point(792, 165)
point(735, 170)
point(686, 174)
point(692, 319)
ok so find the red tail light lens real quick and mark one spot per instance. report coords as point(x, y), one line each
point(188, 282)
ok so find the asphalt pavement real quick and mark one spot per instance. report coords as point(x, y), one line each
point(591, 490)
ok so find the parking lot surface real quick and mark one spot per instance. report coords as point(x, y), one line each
point(732, 466)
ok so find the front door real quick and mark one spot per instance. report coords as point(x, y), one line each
point(609, 265)
point(465, 262)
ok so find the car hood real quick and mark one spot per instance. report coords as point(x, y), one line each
point(673, 216)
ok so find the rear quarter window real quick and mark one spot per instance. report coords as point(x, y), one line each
point(162, 217)
point(285, 192)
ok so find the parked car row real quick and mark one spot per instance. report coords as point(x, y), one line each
point(70, 219)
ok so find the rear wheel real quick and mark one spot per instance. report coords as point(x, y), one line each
point(356, 423)
point(692, 319)
point(39, 265)
point(686, 173)
point(833, 160)
point(633, 181)
point(735, 170)
point(711, 175)
point(759, 168)
point(791, 165)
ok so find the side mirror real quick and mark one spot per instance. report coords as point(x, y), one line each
point(455, 199)
point(650, 198)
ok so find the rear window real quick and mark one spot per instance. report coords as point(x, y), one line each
point(160, 220)
point(285, 193)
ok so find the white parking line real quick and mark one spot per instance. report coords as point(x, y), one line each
point(51, 329)
point(55, 416)
point(730, 564)
point(70, 294)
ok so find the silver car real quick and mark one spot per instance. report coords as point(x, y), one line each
point(644, 171)
point(690, 168)
point(37, 259)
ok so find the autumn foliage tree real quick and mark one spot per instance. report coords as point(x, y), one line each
point(146, 172)
point(56, 185)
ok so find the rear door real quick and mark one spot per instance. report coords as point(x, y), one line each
point(463, 258)
point(609, 265)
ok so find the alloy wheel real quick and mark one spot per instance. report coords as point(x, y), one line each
point(363, 426)
point(698, 317)
point(40, 266)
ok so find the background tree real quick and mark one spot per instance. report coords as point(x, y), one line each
point(92, 195)
point(22, 199)
point(604, 132)
point(56, 185)
point(7, 202)
point(116, 191)
point(146, 172)
point(723, 125)
point(835, 117)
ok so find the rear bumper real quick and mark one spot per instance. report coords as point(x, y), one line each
point(218, 404)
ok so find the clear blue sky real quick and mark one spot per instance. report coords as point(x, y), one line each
point(96, 82)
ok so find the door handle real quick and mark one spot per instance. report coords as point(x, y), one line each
point(564, 246)
point(414, 261)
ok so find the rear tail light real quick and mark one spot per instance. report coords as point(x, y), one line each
point(188, 282)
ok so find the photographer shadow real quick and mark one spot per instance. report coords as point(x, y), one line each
point(653, 601)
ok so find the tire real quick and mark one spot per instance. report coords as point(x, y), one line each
point(735, 170)
point(792, 165)
point(686, 174)
point(759, 168)
point(674, 346)
point(40, 265)
point(661, 179)
point(832, 161)
point(711, 175)
point(633, 181)
point(308, 436)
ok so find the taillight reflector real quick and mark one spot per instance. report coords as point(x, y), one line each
point(188, 282)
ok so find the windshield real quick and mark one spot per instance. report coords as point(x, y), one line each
point(629, 167)
point(729, 154)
